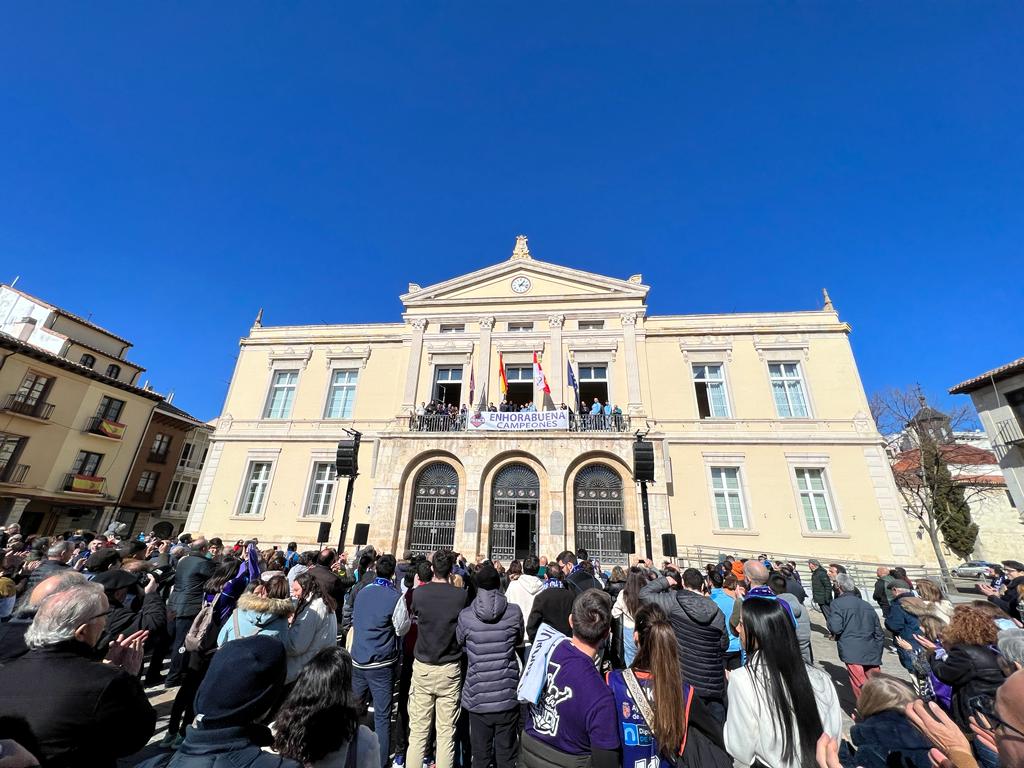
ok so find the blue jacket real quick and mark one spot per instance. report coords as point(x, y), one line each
point(726, 603)
point(257, 616)
point(379, 618)
point(902, 622)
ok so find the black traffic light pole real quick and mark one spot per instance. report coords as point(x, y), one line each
point(644, 506)
point(348, 491)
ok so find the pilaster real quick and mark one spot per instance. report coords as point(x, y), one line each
point(554, 364)
point(635, 406)
point(412, 374)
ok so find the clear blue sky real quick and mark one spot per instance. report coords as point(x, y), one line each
point(169, 168)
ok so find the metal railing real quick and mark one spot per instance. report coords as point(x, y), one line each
point(94, 426)
point(86, 483)
point(1009, 432)
point(156, 457)
point(14, 474)
point(142, 496)
point(586, 422)
point(20, 403)
point(863, 572)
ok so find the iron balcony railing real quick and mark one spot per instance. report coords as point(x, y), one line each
point(14, 473)
point(79, 483)
point(585, 422)
point(21, 403)
point(155, 457)
point(142, 496)
point(1009, 432)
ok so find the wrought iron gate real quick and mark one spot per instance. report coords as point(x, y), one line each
point(598, 510)
point(433, 509)
point(515, 490)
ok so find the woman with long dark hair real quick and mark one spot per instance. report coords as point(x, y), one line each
point(778, 705)
point(626, 605)
point(314, 625)
point(318, 722)
point(659, 712)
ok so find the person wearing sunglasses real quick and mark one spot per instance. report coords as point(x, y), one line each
point(82, 712)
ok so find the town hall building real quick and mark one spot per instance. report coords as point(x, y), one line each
point(761, 429)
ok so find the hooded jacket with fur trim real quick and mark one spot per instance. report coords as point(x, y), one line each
point(257, 615)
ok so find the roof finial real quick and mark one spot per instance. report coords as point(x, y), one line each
point(828, 301)
point(259, 319)
point(522, 250)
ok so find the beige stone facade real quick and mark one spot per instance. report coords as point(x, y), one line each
point(759, 423)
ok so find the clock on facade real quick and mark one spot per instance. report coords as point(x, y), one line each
point(521, 284)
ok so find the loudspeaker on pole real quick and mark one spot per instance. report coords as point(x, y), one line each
point(668, 545)
point(324, 534)
point(362, 534)
point(627, 542)
point(643, 461)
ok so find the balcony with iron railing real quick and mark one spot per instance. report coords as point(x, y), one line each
point(1009, 432)
point(24, 405)
point(75, 482)
point(584, 422)
point(14, 474)
point(98, 425)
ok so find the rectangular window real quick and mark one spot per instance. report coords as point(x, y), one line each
point(518, 373)
point(87, 463)
point(593, 373)
point(342, 394)
point(10, 446)
point(788, 390)
point(591, 325)
point(172, 495)
point(709, 384)
point(110, 409)
point(725, 485)
point(520, 327)
point(814, 499)
point(321, 490)
point(33, 389)
point(147, 481)
point(282, 395)
point(452, 328)
point(186, 454)
point(255, 493)
point(161, 444)
point(202, 459)
point(191, 495)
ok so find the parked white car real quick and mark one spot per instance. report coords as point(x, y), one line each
point(972, 569)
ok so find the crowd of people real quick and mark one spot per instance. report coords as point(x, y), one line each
point(284, 658)
point(438, 415)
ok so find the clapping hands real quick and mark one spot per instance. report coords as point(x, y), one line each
point(126, 652)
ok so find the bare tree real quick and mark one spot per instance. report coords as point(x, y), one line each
point(936, 477)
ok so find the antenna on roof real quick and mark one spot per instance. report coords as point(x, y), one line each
point(14, 282)
point(170, 397)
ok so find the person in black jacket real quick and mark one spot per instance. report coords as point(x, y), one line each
point(1010, 599)
point(490, 629)
point(12, 632)
point(700, 630)
point(81, 711)
point(191, 573)
point(147, 610)
point(576, 578)
point(552, 605)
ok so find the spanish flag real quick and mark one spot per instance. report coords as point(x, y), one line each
point(86, 484)
point(111, 428)
point(501, 376)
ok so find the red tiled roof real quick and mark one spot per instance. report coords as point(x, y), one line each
point(977, 382)
point(909, 461)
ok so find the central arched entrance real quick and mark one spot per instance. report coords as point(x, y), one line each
point(514, 496)
point(597, 496)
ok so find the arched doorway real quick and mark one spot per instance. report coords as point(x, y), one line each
point(597, 498)
point(436, 496)
point(514, 496)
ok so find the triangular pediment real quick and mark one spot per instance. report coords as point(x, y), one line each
point(537, 281)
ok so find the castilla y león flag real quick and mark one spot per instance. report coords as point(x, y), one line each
point(539, 379)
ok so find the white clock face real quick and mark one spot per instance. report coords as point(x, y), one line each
point(521, 284)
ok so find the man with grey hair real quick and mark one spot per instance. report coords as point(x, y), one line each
point(57, 556)
point(854, 624)
point(81, 711)
point(12, 633)
point(1011, 645)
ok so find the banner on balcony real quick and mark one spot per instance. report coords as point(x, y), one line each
point(523, 421)
point(87, 484)
point(110, 428)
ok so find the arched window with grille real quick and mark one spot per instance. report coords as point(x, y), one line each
point(599, 514)
point(515, 493)
point(435, 499)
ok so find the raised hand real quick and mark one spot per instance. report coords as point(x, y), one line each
point(936, 725)
point(127, 652)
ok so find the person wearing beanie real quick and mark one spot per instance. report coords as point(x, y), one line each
point(243, 684)
point(489, 629)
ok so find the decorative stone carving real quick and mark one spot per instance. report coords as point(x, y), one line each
point(782, 345)
point(629, 318)
point(288, 355)
point(556, 321)
point(522, 250)
point(486, 323)
point(707, 344)
point(419, 324)
point(358, 354)
point(636, 279)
